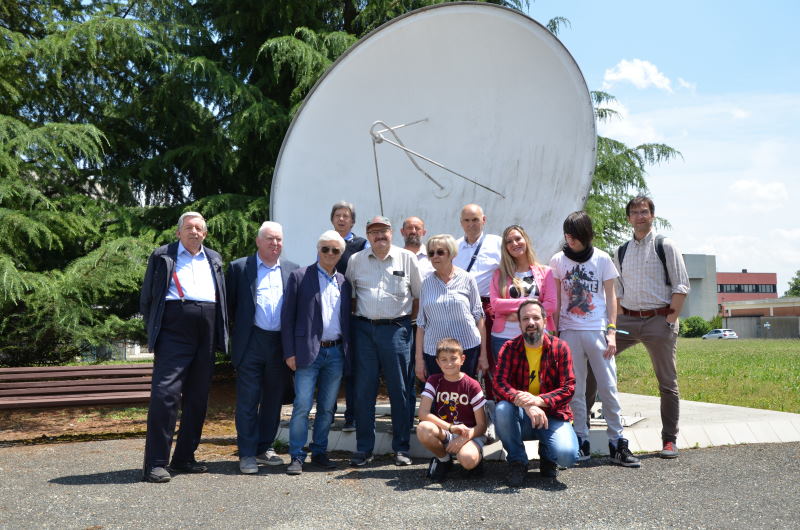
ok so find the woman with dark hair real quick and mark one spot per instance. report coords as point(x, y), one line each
point(586, 320)
point(519, 277)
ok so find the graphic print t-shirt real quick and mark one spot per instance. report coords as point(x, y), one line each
point(534, 356)
point(454, 401)
point(583, 300)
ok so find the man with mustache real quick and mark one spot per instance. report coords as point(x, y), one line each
point(535, 381)
point(385, 281)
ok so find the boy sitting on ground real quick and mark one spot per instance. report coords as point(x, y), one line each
point(452, 421)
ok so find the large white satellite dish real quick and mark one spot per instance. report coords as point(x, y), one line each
point(446, 105)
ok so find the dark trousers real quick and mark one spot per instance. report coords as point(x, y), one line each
point(260, 385)
point(182, 369)
point(470, 366)
point(382, 349)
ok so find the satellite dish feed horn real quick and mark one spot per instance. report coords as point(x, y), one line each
point(378, 137)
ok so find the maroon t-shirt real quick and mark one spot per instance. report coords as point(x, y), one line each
point(454, 401)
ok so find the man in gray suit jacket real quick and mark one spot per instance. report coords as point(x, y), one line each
point(183, 304)
point(255, 295)
point(315, 325)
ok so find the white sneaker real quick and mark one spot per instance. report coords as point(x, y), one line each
point(269, 458)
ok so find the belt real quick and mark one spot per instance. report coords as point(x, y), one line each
point(266, 331)
point(329, 343)
point(384, 321)
point(664, 311)
point(189, 302)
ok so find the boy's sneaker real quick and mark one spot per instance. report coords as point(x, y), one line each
point(670, 450)
point(516, 474)
point(621, 455)
point(584, 450)
point(437, 470)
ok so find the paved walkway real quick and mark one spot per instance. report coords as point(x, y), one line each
point(701, 425)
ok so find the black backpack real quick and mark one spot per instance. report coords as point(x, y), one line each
point(659, 251)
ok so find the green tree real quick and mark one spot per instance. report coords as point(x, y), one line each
point(694, 327)
point(794, 286)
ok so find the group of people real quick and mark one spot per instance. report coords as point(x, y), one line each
point(443, 312)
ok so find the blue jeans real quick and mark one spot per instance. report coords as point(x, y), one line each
point(496, 343)
point(382, 348)
point(557, 443)
point(324, 374)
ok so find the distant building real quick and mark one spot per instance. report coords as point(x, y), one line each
point(739, 286)
point(773, 318)
point(702, 301)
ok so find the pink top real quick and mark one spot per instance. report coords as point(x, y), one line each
point(543, 276)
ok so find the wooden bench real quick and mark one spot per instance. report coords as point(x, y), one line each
point(57, 386)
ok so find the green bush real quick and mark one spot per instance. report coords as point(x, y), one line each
point(715, 322)
point(694, 327)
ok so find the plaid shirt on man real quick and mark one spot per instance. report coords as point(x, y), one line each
point(556, 379)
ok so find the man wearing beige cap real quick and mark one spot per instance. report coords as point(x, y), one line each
point(385, 281)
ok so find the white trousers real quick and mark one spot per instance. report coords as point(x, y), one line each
point(588, 347)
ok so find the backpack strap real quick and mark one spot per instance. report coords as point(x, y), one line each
point(662, 256)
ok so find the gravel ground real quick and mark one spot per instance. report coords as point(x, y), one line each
point(96, 485)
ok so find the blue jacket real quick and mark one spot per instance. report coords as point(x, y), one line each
point(301, 316)
point(160, 267)
point(241, 281)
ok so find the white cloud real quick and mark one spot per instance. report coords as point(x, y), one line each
point(739, 113)
point(628, 128)
point(683, 83)
point(752, 190)
point(642, 74)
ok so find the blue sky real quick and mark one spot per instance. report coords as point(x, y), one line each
point(720, 82)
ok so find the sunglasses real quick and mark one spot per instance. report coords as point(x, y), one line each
point(333, 250)
point(437, 252)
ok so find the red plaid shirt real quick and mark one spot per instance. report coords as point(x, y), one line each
point(556, 380)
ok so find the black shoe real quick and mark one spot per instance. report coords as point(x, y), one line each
point(188, 467)
point(547, 468)
point(360, 459)
point(402, 459)
point(157, 475)
point(621, 455)
point(437, 470)
point(349, 426)
point(516, 474)
point(584, 450)
point(322, 461)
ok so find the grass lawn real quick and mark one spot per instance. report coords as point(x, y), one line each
point(758, 373)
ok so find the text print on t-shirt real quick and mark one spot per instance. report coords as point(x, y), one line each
point(581, 285)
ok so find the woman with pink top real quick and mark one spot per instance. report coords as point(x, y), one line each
point(520, 276)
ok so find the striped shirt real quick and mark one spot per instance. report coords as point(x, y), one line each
point(384, 289)
point(450, 310)
point(641, 284)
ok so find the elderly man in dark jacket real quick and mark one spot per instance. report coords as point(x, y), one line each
point(183, 303)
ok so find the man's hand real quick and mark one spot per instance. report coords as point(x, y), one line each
point(526, 399)
point(537, 416)
point(463, 431)
point(291, 362)
point(483, 362)
point(419, 369)
point(611, 348)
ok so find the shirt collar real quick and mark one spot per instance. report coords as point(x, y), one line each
point(390, 254)
point(330, 277)
point(646, 239)
point(182, 249)
point(260, 263)
point(471, 245)
point(349, 236)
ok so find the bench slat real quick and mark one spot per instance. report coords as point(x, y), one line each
point(83, 389)
point(77, 382)
point(44, 369)
point(112, 398)
point(28, 376)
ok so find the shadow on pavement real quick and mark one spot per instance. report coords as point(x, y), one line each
point(125, 476)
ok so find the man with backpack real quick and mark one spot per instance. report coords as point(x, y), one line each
point(651, 289)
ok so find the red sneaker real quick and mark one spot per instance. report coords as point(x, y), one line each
point(670, 450)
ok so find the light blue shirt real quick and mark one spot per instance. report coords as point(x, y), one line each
point(195, 277)
point(330, 296)
point(269, 296)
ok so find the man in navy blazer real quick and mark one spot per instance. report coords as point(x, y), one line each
point(183, 305)
point(255, 295)
point(315, 327)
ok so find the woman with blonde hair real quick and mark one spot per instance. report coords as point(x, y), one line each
point(519, 277)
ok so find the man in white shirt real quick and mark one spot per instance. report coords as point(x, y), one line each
point(413, 231)
point(479, 255)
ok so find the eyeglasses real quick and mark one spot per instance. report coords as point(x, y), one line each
point(376, 231)
point(437, 252)
point(333, 250)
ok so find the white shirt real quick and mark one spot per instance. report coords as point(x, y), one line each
point(384, 288)
point(269, 295)
point(331, 304)
point(583, 297)
point(425, 267)
point(486, 263)
point(194, 275)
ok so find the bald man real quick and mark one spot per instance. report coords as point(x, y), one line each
point(479, 255)
point(413, 231)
